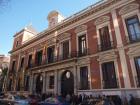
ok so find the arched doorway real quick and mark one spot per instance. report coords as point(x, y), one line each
point(67, 83)
point(39, 84)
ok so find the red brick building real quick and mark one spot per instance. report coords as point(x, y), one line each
point(94, 51)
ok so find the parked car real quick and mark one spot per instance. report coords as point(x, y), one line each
point(10, 99)
point(53, 101)
point(34, 99)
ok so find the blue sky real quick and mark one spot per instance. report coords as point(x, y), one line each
point(17, 14)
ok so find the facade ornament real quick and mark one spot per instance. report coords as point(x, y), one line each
point(83, 61)
point(107, 56)
point(101, 20)
point(63, 36)
point(128, 8)
point(51, 41)
point(80, 28)
point(134, 51)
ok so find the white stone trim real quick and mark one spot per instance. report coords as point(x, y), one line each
point(61, 46)
point(128, 8)
point(125, 16)
point(89, 75)
point(98, 27)
point(80, 34)
point(121, 50)
point(116, 71)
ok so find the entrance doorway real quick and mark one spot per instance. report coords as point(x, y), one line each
point(39, 84)
point(67, 83)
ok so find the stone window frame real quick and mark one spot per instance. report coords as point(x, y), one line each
point(89, 76)
point(116, 72)
point(77, 41)
point(98, 27)
point(61, 46)
point(133, 66)
point(126, 16)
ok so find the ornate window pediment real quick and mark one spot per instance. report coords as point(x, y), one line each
point(102, 20)
point(80, 28)
point(134, 51)
point(128, 8)
point(63, 36)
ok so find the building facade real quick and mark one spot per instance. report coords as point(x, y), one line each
point(95, 51)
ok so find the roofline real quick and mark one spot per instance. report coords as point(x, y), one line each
point(65, 22)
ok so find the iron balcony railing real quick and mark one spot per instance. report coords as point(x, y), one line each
point(104, 47)
point(58, 58)
point(132, 39)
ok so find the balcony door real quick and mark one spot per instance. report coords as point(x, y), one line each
point(109, 75)
point(50, 54)
point(137, 63)
point(65, 49)
point(105, 38)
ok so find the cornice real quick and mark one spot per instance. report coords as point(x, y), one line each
point(91, 10)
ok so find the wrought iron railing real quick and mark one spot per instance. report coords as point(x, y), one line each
point(110, 45)
point(58, 58)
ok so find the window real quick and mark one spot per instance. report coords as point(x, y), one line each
point(30, 61)
point(50, 54)
point(13, 65)
point(109, 75)
point(22, 63)
point(104, 38)
point(51, 82)
point(17, 43)
point(39, 57)
point(65, 49)
point(82, 45)
point(84, 83)
point(137, 63)
point(133, 27)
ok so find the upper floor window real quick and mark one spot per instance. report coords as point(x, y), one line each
point(39, 57)
point(65, 49)
point(50, 54)
point(104, 38)
point(82, 44)
point(17, 43)
point(30, 61)
point(22, 63)
point(133, 27)
point(13, 65)
point(84, 83)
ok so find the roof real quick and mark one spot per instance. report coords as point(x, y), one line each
point(28, 28)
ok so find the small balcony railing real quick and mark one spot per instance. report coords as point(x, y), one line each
point(54, 59)
point(130, 40)
point(109, 46)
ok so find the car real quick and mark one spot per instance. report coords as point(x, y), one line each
point(53, 101)
point(10, 99)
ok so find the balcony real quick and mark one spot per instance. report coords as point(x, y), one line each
point(59, 58)
point(129, 40)
point(106, 47)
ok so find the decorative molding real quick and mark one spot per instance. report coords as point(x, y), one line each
point(51, 41)
point(63, 36)
point(83, 61)
point(134, 51)
point(128, 8)
point(101, 20)
point(107, 56)
point(80, 28)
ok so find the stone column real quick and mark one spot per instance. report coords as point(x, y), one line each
point(44, 82)
point(31, 84)
point(121, 50)
point(75, 79)
point(55, 82)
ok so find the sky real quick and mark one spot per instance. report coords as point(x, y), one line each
point(17, 14)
